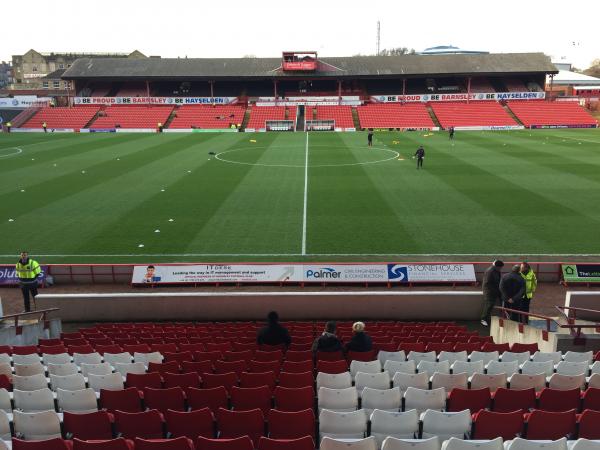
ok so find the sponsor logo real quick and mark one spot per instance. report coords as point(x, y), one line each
point(323, 273)
point(396, 272)
point(15, 102)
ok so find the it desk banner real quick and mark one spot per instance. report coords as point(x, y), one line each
point(308, 273)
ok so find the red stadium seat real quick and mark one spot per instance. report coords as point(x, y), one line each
point(479, 113)
point(46, 444)
point(171, 367)
point(329, 356)
point(394, 115)
point(212, 356)
point(520, 348)
point(147, 424)
point(507, 400)
point(550, 425)
point(136, 348)
point(559, 400)
point(111, 444)
point(591, 399)
point(251, 380)
point(144, 380)
point(107, 348)
point(471, 399)
point(178, 356)
point(213, 398)
point(199, 367)
point(303, 443)
point(294, 399)
point(490, 424)
point(164, 348)
point(52, 349)
point(265, 366)
point(261, 355)
point(82, 349)
point(127, 400)
point(178, 443)
point(227, 380)
point(291, 425)
point(542, 112)
point(61, 117)
point(588, 424)
point(491, 347)
point(191, 424)
point(24, 349)
point(298, 366)
point(231, 366)
point(411, 347)
point(94, 425)
point(298, 355)
point(240, 443)
point(337, 366)
point(164, 399)
point(296, 380)
point(361, 356)
point(245, 399)
point(218, 346)
point(183, 380)
point(233, 424)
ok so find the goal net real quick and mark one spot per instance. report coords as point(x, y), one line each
point(320, 125)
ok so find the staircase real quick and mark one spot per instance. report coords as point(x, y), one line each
point(246, 117)
point(433, 117)
point(171, 117)
point(115, 89)
point(93, 119)
point(355, 118)
point(300, 118)
point(510, 113)
point(24, 116)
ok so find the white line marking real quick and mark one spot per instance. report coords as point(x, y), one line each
point(132, 255)
point(20, 150)
point(305, 197)
point(576, 139)
point(218, 156)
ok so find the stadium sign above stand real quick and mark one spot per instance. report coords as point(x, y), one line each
point(304, 273)
point(458, 97)
point(154, 100)
point(581, 273)
point(24, 101)
point(348, 100)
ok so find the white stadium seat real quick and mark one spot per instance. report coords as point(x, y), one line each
point(462, 444)
point(432, 367)
point(59, 358)
point(31, 383)
point(594, 381)
point(26, 370)
point(521, 381)
point(96, 369)
point(113, 358)
point(555, 357)
point(519, 357)
point(452, 357)
point(343, 400)
point(34, 401)
point(112, 381)
point(469, 368)
point(379, 380)
point(417, 357)
point(406, 380)
point(449, 381)
point(81, 401)
point(486, 357)
point(401, 425)
point(87, 358)
point(5, 401)
point(495, 367)
point(334, 380)
point(572, 368)
point(384, 356)
point(154, 357)
point(566, 382)
point(524, 444)
point(446, 424)
point(535, 367)
point(483, 380)
point(365, 367)
point(584, 444)
point(342, 425)
point(135, 368)
point(586, 357)
point(382, 399)
point(369, 443)
point(392, 367)
point(26, 359)
point(5, 433)
point(422, 399)
point(37, 426)
point(62, 369)
point(73, 382)
point(391, 443)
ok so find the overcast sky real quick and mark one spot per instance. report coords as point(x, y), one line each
point(234, 28)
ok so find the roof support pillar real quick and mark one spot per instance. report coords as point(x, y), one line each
point(468, 89)
point(212, 89)
point(275, 91)
point(551, 85)
point(339, 91)
point(403, 86)
point(147, 89)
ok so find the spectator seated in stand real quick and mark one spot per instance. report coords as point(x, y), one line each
point(361, 341)
point(274, 333)
point(328, 341)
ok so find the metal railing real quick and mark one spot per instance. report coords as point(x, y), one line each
point(44, 315)
point(574, 328)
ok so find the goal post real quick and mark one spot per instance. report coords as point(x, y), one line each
point(320, 125)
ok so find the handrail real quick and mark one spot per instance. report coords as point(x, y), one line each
point(576, 328)
point(574, 309)
point(43, 312)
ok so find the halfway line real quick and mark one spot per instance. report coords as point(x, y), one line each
point(305, 197)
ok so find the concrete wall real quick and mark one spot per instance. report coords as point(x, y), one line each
point(451, 305)
point(30, 333)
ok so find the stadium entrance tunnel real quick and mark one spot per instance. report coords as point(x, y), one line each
point(318, 156)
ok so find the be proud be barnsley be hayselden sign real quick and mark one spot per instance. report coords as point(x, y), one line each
point(298, 273)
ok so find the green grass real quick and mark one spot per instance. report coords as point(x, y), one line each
point(521, 193)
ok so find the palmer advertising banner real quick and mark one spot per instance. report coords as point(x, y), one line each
point(458, 97)
point(153, 100)
point(8, 275)
point(308, 273)
point(581, 273)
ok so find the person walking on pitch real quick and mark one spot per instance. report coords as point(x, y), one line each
point(370, 137)
point(420, 155)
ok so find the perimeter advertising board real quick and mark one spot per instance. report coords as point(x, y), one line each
point(581, 273)
point(304, 273)
point(8, 275)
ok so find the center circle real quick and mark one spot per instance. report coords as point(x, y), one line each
point(16, 151)
point(391, 155)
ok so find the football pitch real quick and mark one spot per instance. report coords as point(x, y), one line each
point(107, 198)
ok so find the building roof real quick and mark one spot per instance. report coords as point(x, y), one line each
point(566, 77)
point(334, 67)
point(56, 75)
point(449, 50)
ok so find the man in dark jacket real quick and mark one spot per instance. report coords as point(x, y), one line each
point(420, 155)
point(361, 341)
point(491, 290)
point(273, 333)
point(328, 341)
point(512, 288)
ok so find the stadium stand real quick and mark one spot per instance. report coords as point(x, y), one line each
point(341, 114)
point(69, 118)
point(205, 116)
point(481, 85)
point(515, 85)
point(394, 115)
point(132, 117)
point(132, 90)
point(539, 113)
point(479, 113)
